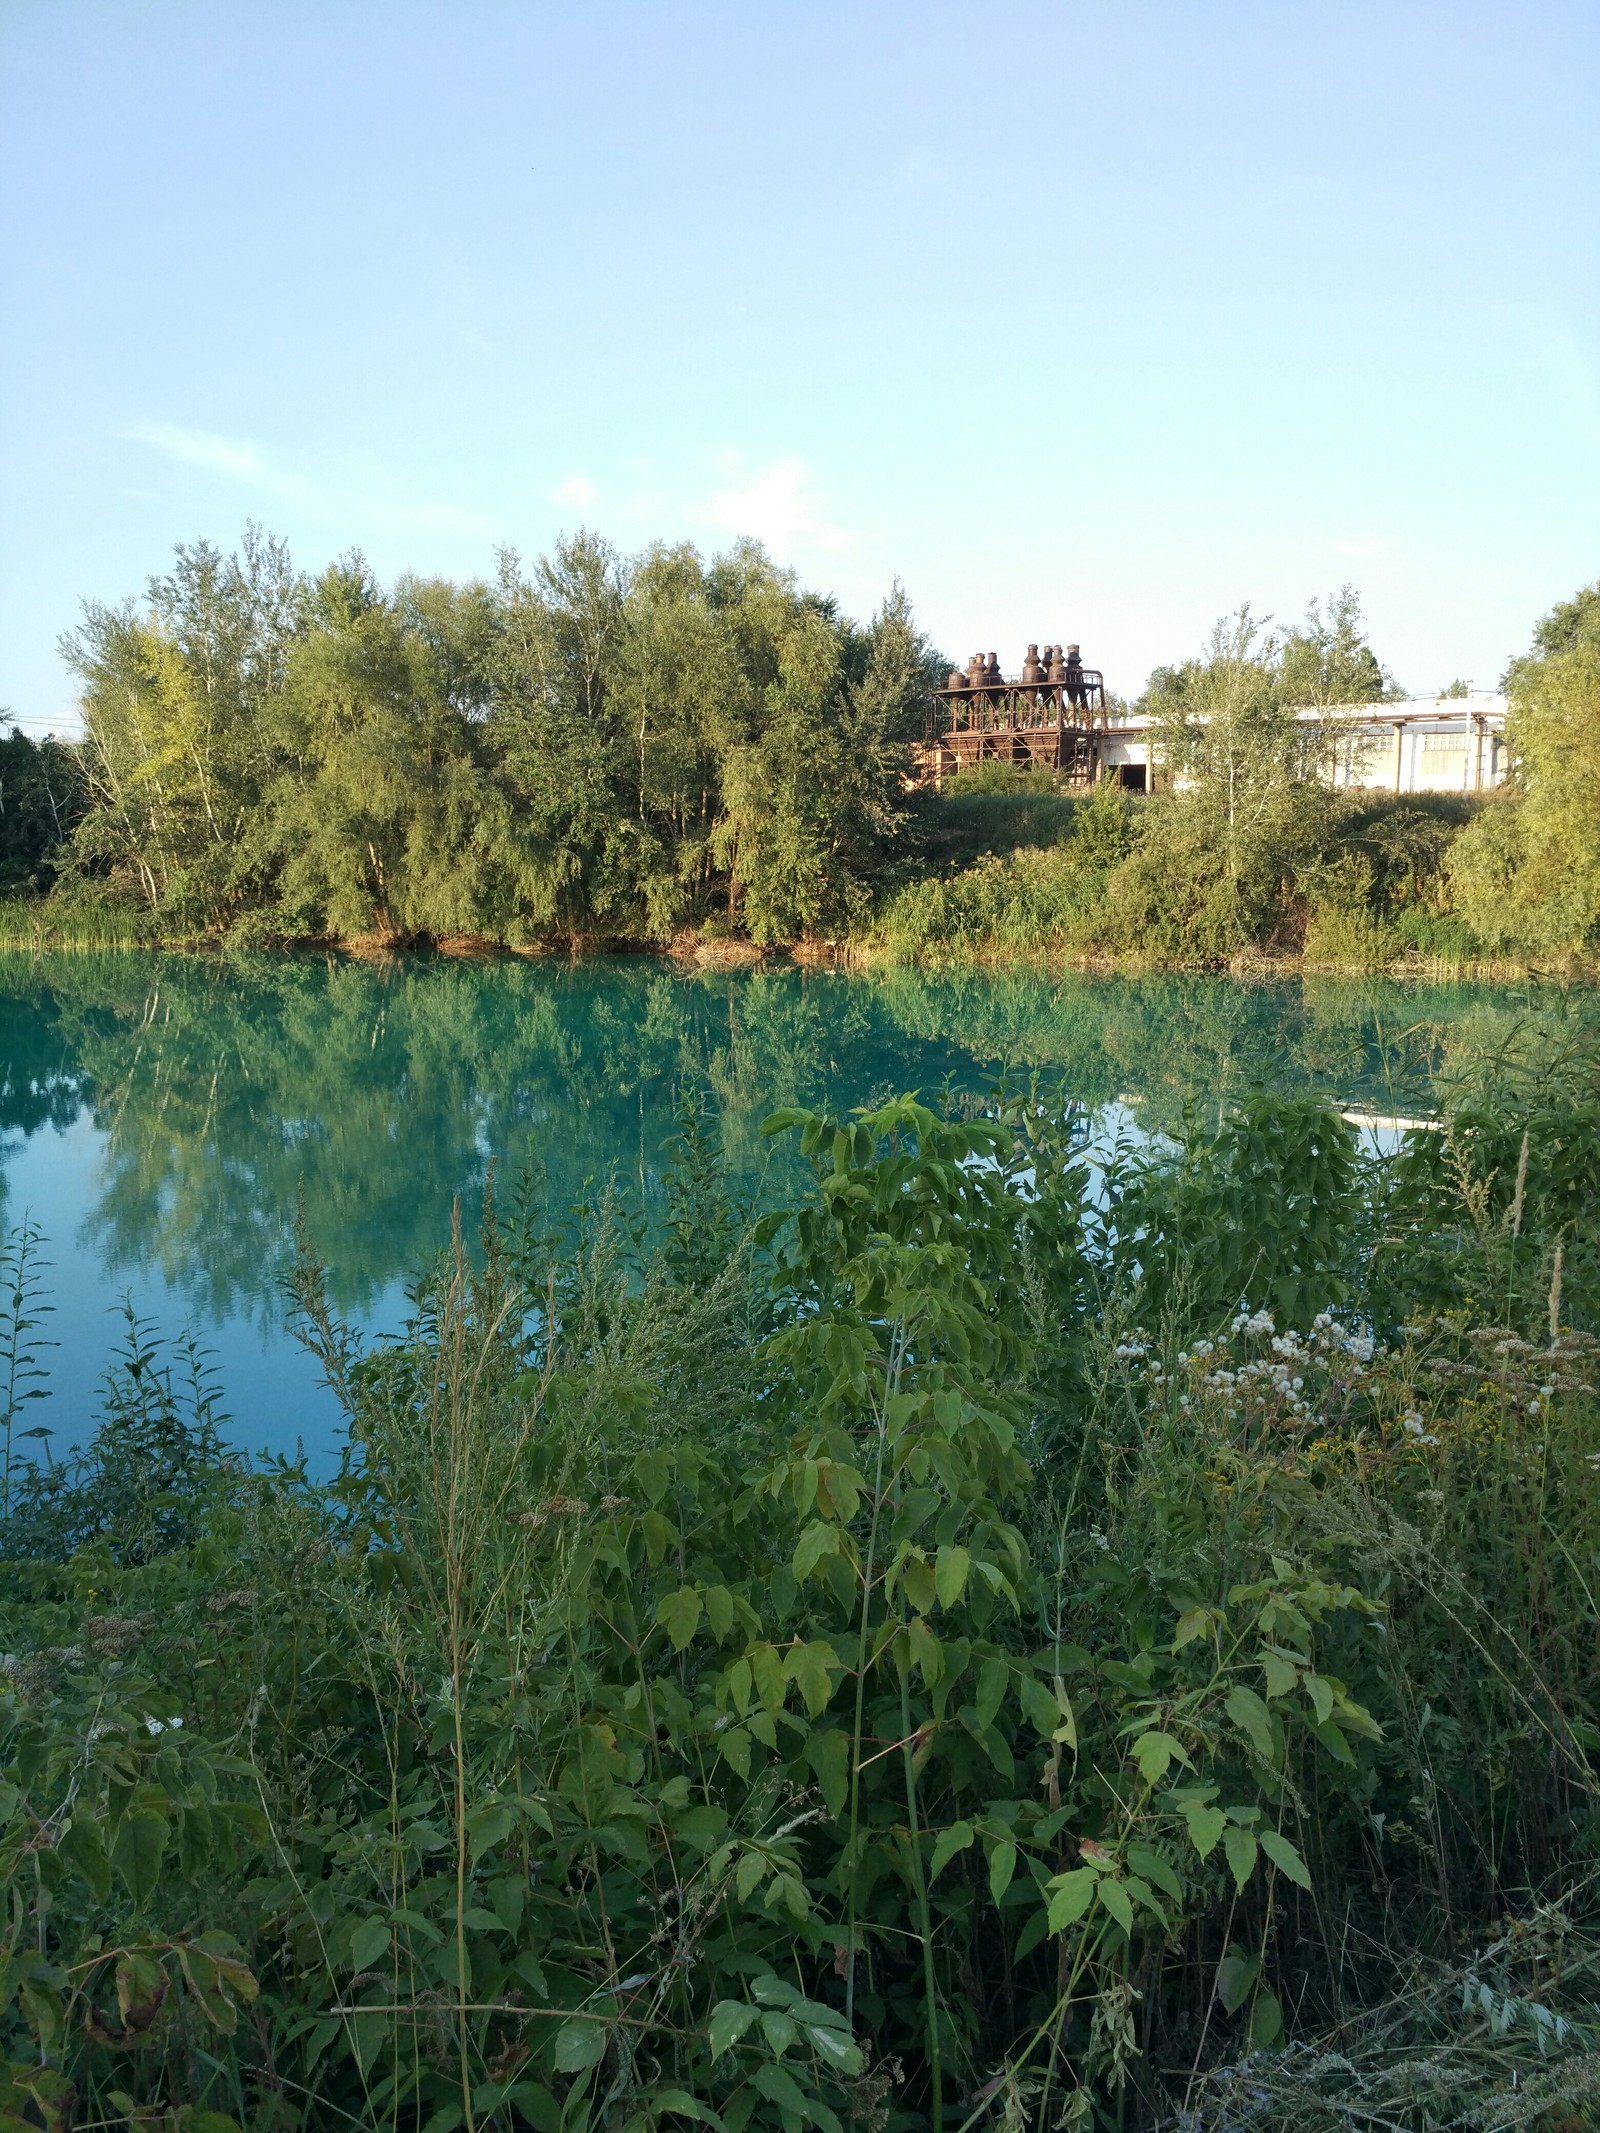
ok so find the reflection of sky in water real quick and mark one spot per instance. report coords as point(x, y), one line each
point(271, 1385)
point(161, 1116)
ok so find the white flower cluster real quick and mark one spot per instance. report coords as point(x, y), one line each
point(1415, 1427)
point(1130, 1351)
point(1252, 1322)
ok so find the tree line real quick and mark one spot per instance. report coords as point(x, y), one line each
point(605, 749)
point(591, 748)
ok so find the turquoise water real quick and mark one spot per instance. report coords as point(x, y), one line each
point(162, 1116)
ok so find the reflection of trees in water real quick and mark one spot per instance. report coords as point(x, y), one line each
point(385, 1089)
point(1171, 1039)
point(40, 1082)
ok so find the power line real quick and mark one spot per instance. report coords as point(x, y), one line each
point(67, 728)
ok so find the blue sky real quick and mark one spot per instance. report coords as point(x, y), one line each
point(1084, 321)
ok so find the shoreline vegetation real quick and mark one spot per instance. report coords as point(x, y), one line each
point(708, 761)
point(983, 1644)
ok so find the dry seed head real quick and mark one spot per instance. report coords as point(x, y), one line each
point(112, 1635)
point(552, 1507)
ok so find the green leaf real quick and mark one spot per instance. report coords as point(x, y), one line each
point(1284, 1857)
point(1070, 1896)
point(1002, 1865)
point(927, 1653)
point(1266, 2022)
point(774, 1991)
point(818, 1540)
point(991, 1690)
point(916, 1575)
point(753, 1869)
point(1321, 1697)
point(1155, 1752)
point(84, 1849)
point(682, 2105)
point(137, 1852)
point(829, 1756)
point(1038, 1705)
point(957, 1838)
point(1154, 1866)
point(807, 1665)
point(1114, 1897)
point(579, 2045)
point(1191, 1624)
point(780, 2030)
point(950, 1570)
point(1236, 1974)
point(489, 1824)
point(1330, 1736)
point(729, 2021)
point(1280, 1674)
point(719, 1613)
point(653, 1471)
point(679, 1615)
point(1066, 1731)
point(1253, 1719)
point(779, 2086)
point(1239, 1847)
point(1205, 1824)
point(836, 2047)
point(739, 1679)
point(369, 1941)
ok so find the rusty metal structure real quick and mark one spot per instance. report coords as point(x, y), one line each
point(1049, 718)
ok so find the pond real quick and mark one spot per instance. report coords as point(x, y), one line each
point(162, 1117)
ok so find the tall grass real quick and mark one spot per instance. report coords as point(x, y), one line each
point(75, 920)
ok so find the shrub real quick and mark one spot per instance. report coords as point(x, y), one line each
point(988, 1631)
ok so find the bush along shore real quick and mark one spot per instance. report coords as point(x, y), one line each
point(993, 1644)
point(673, 752)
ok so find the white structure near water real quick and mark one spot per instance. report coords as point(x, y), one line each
point(1418, 744)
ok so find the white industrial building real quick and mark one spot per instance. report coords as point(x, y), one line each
point(1418, 744)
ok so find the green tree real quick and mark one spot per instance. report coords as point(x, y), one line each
point(550, 722)
point(1222, 728)
point(384, 825)
point(1326, 665)
point(177, 701)
point(42, 799)
point(1327, 660)
point(1528, 871)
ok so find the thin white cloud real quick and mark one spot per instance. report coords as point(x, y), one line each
point(234, 456)
point(577, 490)
point(776, 507)
point(237, 459)
point(1360, 545)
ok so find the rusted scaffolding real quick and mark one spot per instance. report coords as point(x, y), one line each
point(1049, 718)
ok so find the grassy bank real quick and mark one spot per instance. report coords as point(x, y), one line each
point(1350, 883)
point(1016, 871)
point(971, 1649)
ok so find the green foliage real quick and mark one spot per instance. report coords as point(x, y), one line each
point(834, 1671)
point(1258, 1214)
point(1354, 882)
point(42, 799)
point(592, 749)
point(1327, 662)
point(1529, 872)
